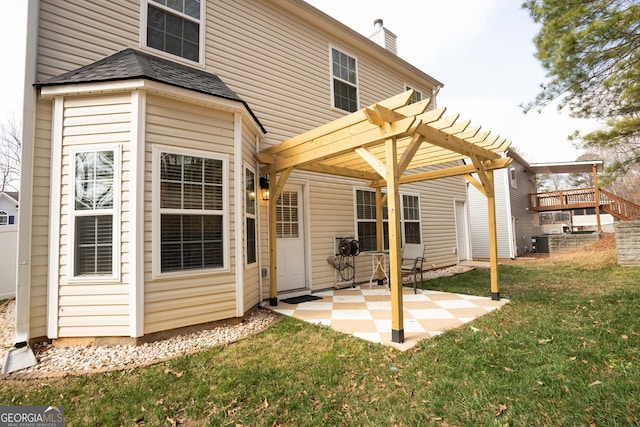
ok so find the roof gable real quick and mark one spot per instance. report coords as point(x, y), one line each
point(12, 196)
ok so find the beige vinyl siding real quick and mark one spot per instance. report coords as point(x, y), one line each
point(40, 220)
point(75, 33)
point(286, 77)
point(91, 308)
point(251, 278)
point(290, 76)
point(251, 287)
point(331, 212)
point(190, 298)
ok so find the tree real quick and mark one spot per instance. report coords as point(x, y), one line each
point(551, 182)
point(10, 149)
point(583, 179)
point(591, 51)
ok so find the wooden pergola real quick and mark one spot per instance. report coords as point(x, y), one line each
point(388, 144)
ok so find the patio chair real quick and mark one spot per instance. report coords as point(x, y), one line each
point(412, 261)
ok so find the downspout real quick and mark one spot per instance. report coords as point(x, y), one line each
point(21, 356)
point(434, 95)
point(511, 234)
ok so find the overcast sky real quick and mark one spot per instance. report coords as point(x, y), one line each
point(481, 50)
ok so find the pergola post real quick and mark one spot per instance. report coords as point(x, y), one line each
point(273, 252)
point(596, 192)
point(393, 210)
point(493, 236)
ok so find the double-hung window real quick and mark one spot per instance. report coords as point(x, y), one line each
point(4, 218)
point(192, 214)
point(344, 81)
point(250, 217)
point(512, 177)
point(411, 219)
point(366, 215)
point(175, 27)
point(95, 190)
point(366, 220)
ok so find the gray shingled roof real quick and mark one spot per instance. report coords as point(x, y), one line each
point(13, 194)
point(132, 64)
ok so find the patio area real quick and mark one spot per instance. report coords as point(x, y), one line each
point(366, 313)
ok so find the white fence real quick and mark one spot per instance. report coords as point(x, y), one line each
point(8, 256)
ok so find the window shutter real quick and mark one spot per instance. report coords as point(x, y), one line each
point(11, 219)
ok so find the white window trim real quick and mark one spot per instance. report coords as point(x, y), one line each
point(155, 200)
point(246, 215)
point(202, 36)
point(4, 218)
point(409, 87)
point(402, 219)
point(331, 77)
point(115, 213)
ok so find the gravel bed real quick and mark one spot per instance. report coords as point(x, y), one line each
point(79, 360)
point(437, 273)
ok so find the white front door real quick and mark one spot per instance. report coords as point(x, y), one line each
point(291, 240)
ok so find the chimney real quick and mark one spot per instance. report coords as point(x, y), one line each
point(384, 37)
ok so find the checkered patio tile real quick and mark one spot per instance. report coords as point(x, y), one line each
point(366, 313)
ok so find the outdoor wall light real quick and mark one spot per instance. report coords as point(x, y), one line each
point(264, 187)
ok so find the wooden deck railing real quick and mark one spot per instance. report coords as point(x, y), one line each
point(619, 207)
point(562, 199)
point(584, 198)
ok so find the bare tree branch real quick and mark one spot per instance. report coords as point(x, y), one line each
point(10, 151)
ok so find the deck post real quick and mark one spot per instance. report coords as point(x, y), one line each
point(393, 210)
point(493, 237)
point(273, 252)
point(596, 192)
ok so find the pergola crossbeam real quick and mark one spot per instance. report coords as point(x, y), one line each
point(453, 143)
point(392, 103)
point(462, 170)
point(339, 171)
point(408, 153)
point(478, 185)
point(372, 160)
point(345, 141)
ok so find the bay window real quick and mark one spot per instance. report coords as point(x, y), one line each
point(192, 213)
point(95, 192)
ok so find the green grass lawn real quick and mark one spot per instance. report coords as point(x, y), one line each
point(565, 351)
